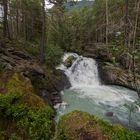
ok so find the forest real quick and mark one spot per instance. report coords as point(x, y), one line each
point(69, 70)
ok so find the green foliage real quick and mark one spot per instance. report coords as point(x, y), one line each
point(31, 16)
point(6, 110)
point(34, 51)
point(37, 123)
point(53, 55)
point(14, 137)
point(73, 30)
point(1, 68)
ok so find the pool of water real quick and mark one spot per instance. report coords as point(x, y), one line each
point(88, 95)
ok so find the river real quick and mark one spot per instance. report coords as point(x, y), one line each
point(89, 95)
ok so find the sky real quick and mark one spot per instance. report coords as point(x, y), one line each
point(48, 5)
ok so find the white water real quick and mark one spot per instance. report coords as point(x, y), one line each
point(87, 93)
point(83, 72)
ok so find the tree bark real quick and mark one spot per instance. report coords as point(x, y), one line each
point(126, 24)
point(17, 18)
point(5, 21)
point(43, 39)
point(107, 22)
point(134, 42)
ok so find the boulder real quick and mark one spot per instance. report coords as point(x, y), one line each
point(68, 62)
point(109, 114)
point(78, 125)
point(50, 84)
point(112, 75)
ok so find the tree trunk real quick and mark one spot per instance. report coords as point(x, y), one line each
point(43, 39)
point(134, 42)
point(17, 19)
point(5, 21)
point(107, 22)
point(126, 24)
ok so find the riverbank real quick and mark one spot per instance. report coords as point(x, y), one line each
point(112, 67)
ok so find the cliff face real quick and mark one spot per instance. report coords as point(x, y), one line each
point(46, 82)
point(112, 75)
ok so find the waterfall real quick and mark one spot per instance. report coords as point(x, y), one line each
point(87, 94)
point(83, 72)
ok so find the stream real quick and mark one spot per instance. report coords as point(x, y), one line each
point(87, 94)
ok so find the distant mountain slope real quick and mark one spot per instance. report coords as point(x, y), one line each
point(78, 4)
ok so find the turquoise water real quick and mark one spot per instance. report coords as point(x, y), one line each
point(99, 105)
point(88, 95)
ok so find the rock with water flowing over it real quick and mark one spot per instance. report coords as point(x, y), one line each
point(109, 114)
point(68, 62)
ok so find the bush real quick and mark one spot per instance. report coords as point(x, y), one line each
point(38, 124)
point(22, 120)
point(53, 55)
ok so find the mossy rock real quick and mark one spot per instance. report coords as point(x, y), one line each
point(21, 85)
point(82, 126)
point(68, 62)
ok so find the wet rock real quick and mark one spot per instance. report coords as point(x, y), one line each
point(68, 62)
point(109, 114)
point(50, 84)
point(63, 81)
point(35, 71)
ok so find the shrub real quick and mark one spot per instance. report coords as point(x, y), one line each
point(38, 124)
point(35, 123)
point(53, 55)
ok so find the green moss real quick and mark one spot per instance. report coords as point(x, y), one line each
point(78, 125)
point(19, 84)
point(68, 62)
point(22, 86)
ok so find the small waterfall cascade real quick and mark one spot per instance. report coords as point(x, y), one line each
point(83, 72)
point(87, 94)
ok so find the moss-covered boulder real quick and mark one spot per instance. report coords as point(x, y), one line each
point(82, 126)
point(68, 62)
point(21, 85)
